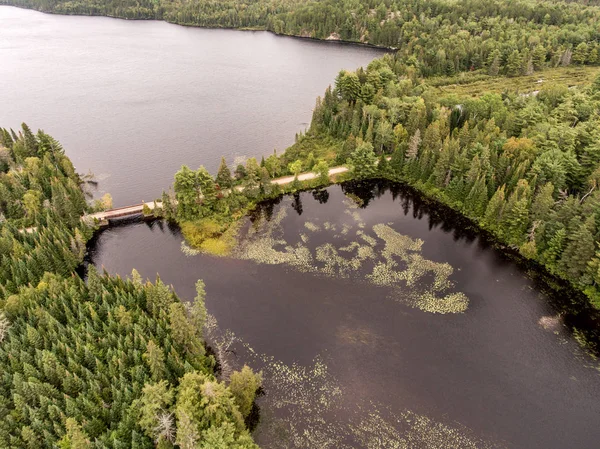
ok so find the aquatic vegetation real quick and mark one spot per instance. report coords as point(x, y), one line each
point(329, 226)
point(387, 259)
point(311, 226)
point(188, 250)
point(383, 429)
point(451, 303)
point(356, 217)
point(306, 406)
point(367, 238)
point(334, 264)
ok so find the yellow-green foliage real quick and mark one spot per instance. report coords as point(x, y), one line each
point(146, 210)
point(210, 236)
point(323, 148)
point(397, 260)
point(462, 85)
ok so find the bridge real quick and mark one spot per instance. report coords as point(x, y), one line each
point(137, 209)
point(102, 218)
point(121, 212)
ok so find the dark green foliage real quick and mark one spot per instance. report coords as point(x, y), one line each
point(195, 192)
point(80, 349)
point(223, 179)
point(79, 359)
point(363, 161)
point(439, 37)
point(37, 181)
point(524, 167)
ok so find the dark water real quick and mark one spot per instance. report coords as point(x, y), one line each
point(361, 365)
point(133, 101)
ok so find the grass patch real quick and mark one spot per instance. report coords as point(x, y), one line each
point(477, 84)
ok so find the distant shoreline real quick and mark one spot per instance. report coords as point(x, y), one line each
point(295, 36)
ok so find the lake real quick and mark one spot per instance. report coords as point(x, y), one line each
point(134, 100)
point(380, 321)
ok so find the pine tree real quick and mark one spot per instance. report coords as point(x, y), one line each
point(183, 332)
point(75, 437)
point(413, 146)
point(554, 249)
point(579, 251)
point(514, 64)
point(539, 57)
point(155, 398)
point(477, 199)
point(542, 202)
point(155, 358)
point(224, 176)
point(494, 63)
point(515, 219)
point(198, 313)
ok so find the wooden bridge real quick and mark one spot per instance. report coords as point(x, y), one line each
point(126, 211)
point(137, 209)
point(102, 217)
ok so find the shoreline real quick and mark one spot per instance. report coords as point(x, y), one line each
point(579, 315)
point(382, 48)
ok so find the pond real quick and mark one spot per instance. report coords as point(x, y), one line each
point(380, 321)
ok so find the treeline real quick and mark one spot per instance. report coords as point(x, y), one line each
point(435, 37)
point(525, 167)
point(39, 190)
point(37, 181)
point(101, 363)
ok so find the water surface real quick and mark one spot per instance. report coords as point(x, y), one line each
point(134, 100)
point(349, 363)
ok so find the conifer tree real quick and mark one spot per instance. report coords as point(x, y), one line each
point(495, 209)
point(542, 202)
point(155, 359)
point(579, 250)
point(224, 175)
point(198, 312)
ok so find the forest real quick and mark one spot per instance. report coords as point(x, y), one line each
point(106, 362)
point(523, 166)
point(526, 167)
point(100, 362)
point(441, 37)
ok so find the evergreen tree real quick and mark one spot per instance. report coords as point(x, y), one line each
point(224, 176)
point(155, 359)
point(198, 313)
point(579, 250)
point(514, 64)
point(542, 202)
point(363, 161)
